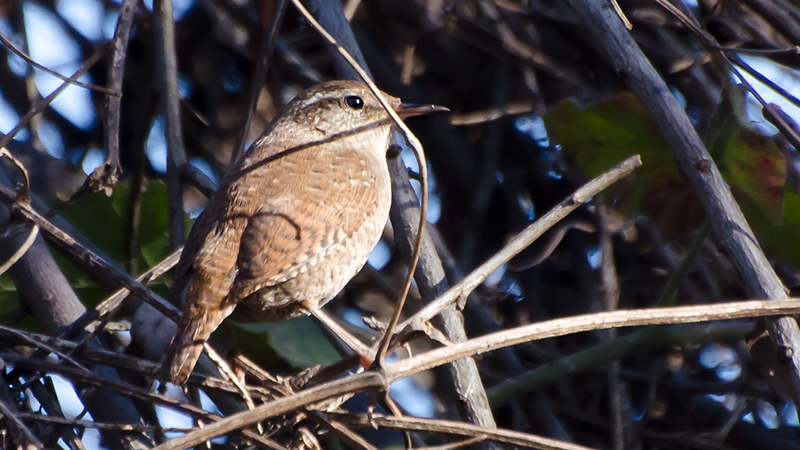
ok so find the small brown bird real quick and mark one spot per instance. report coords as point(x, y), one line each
point(294, 220)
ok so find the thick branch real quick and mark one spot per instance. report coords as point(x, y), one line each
point(727, 220)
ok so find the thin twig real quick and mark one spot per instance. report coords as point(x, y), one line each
point(96, 355)
point(40, 106)
point(407, 68)
point(551, 244)
point(98, 425)
point(24, 191)
point(488, 115)
point(667, 297)
point(227, 372)
point(34, 231)
point(769, 83)
point(610, 291)
point(18, 429)
point(133, 391)
point(485, 182)
point(93, 380)
point(520, 242)
point(69, 243)
point(733, 61)
point(621, 15)
point(40, 343)
point(380, 380)
point(791, 51)
point(113, 302)
point(45, 394)
point(459, 428)
point(343, 433)
point(259, 74)
point(778, 120)
point(464, 377)
point(44, 289)
point(366, 381)
point(589, 322)
point(647, 338)
point(10, 45)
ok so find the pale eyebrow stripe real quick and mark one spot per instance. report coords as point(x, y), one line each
point(320, 96)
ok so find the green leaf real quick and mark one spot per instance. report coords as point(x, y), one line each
point(780, 241)
point(751, 163)
point(791, 205)
point(103, 220)
point(9, 300)
point(607, 133)
point(298, 341)
point(754, 166)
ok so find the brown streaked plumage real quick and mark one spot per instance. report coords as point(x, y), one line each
point(292, 223)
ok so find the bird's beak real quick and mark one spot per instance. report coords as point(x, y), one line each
point(413, 109)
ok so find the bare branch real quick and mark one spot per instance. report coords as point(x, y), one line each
point(520, 242)
point(372, 381)
point(19, 430)
point(170, 101)
point(727, 220)
point(67, 242)
point(458, 428)
point(268, 41)
point(23, 122)
point(13, 48)
point(106, 175)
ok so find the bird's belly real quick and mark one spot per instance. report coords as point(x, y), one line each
point(317, 282)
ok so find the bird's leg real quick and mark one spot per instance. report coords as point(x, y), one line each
point(364, 353)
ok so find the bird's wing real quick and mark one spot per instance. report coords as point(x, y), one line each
point(322, 209)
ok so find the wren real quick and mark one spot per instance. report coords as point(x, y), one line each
point(293, 221)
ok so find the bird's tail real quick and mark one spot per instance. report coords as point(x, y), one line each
point(186, 346)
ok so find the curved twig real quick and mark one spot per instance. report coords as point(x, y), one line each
point(21, 250)
point(423, 171)
point(24, 191)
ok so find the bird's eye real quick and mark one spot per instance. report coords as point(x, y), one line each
point(354, 102)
